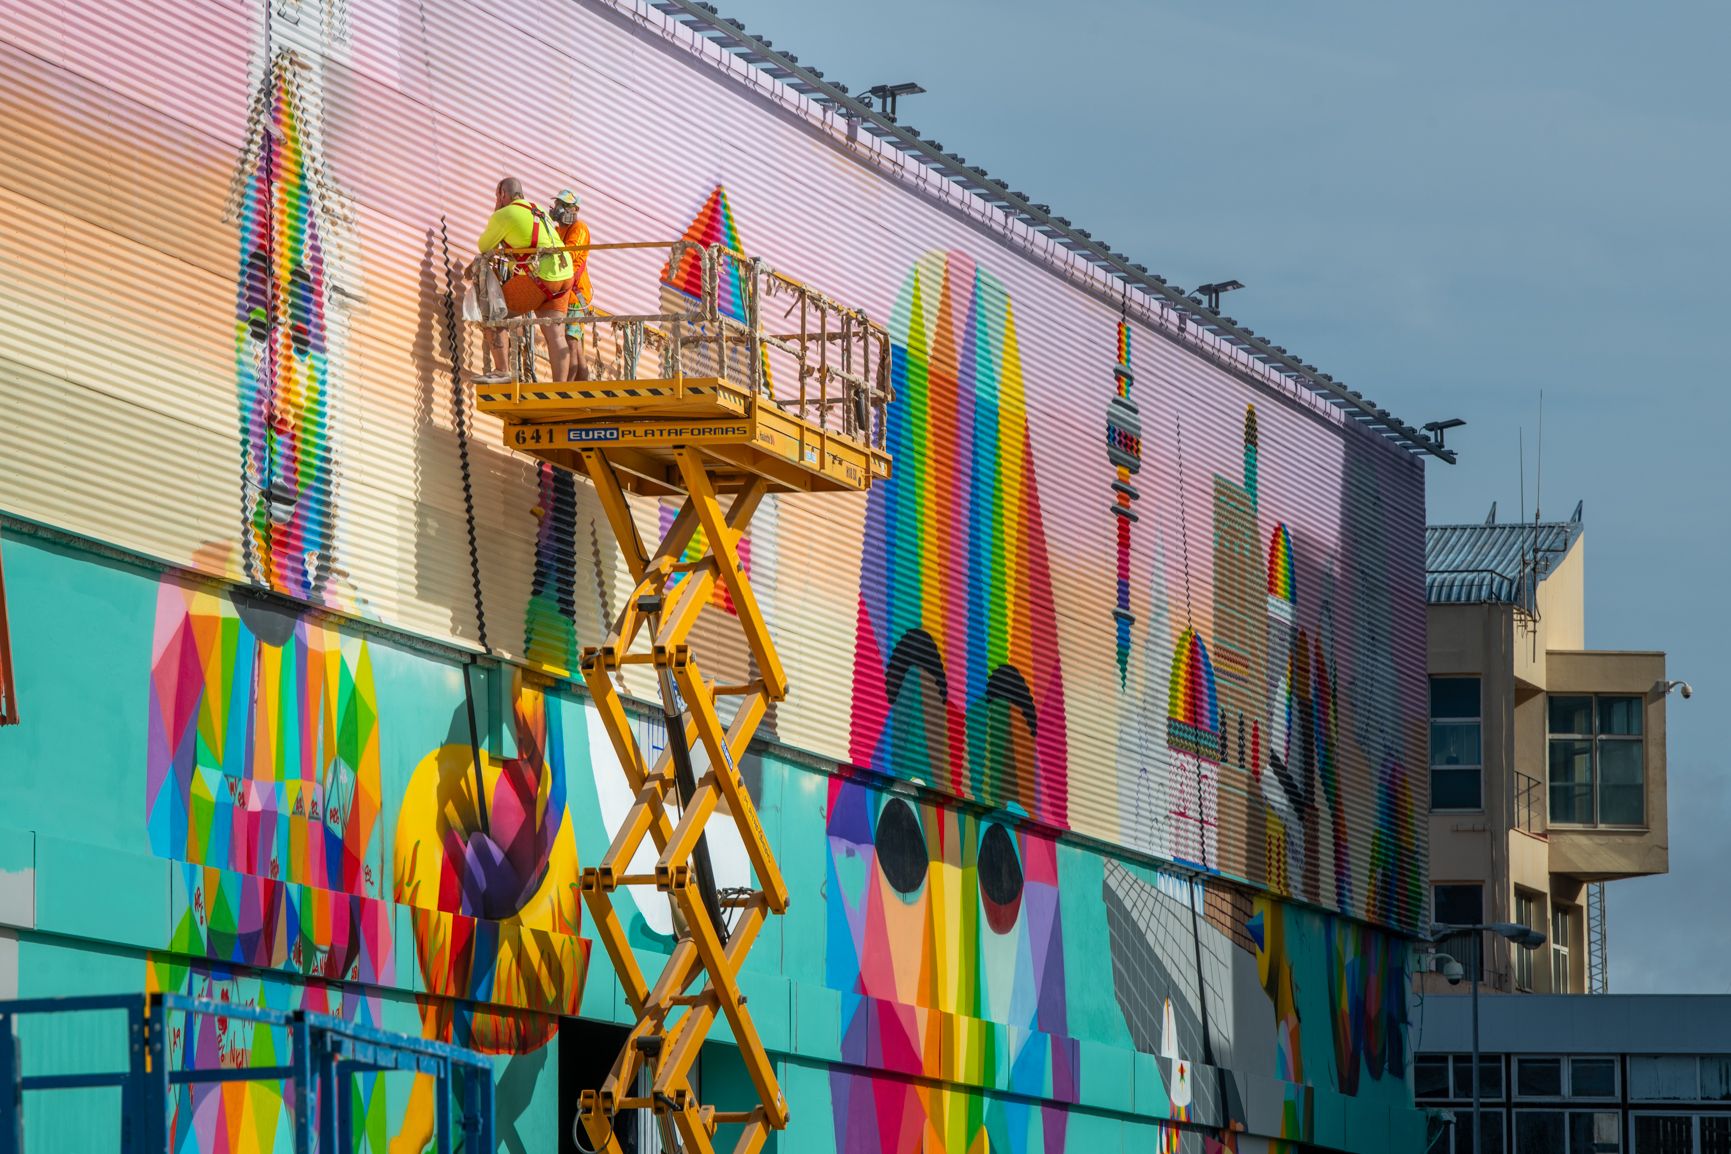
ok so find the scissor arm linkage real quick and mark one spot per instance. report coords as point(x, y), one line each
point(652, 629)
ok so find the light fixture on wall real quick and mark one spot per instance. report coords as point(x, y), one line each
point(1438, 428)
point(1211, 292)
point(887, 93)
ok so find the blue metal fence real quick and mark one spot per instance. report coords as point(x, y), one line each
point(324, 1052)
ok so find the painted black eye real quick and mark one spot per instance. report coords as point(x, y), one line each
point(1000, 879)
point(901, 847)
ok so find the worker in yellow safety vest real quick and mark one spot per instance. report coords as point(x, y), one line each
point(575, 233)
point(539, 272)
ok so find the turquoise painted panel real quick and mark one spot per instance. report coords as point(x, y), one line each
point(94, 891)
point(1108, 1077)
point(817, 1022)
point(18, 878)
point(1018, 985)
point(1149, 1098)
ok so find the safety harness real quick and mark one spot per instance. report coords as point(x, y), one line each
point(529, 263)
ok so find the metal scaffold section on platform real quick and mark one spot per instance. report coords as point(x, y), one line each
point(322, 1053)
point(706, 403)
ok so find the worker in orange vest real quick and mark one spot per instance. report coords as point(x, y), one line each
point(575, 233)
point(540, 273)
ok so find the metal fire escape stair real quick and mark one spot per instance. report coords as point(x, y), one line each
point(720, 440)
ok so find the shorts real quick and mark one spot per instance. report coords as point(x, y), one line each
point(525, 294)
point(576, 305)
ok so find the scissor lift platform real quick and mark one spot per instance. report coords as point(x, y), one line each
point(639, 423)
point(690, 409)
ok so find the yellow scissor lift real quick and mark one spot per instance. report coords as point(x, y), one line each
point(684, 404)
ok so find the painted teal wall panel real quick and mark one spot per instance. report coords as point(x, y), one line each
point(17, 878)
point(95, 891)
point(817, 1022)
point(1108, 1077)
point(939, 962)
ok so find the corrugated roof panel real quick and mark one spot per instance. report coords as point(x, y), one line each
point(1475, 564)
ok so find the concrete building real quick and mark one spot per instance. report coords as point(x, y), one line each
point(1647, 1074)
point(1547, 758)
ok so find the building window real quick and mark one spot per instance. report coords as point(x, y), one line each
point(1567, 1132)
point(1527, 914)
point(1538, 1077)
point(1490, 1131)
point(1461, 905)
point(1546, 1076)
point(1716, 1078)
point(1592, 1077)
point(1456, 746)
point(1430, 1076)
point(1597, 761)
point(1562, 920)
point(1663, 1134)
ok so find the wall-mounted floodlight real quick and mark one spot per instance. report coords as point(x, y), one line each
point(887, 93)
point(1211, 292)
point(1438, 428)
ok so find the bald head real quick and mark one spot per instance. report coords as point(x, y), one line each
point(509, 189)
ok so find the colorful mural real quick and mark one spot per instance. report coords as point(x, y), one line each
point(491, 877)
point(549, 622)
point(1124, 452)
point(487, 863)
point(957, 678)
point(988, 554)
point(248, 1117)
point(284, 352)
point(947, 941)
point(263, 757)
point(1086, 783)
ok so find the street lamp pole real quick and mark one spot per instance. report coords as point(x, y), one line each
point(1477, 972)
point(1524, 936)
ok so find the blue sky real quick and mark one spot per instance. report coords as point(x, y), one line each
point(1450, 207)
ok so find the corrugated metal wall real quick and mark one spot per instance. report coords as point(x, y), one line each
point(224, 341)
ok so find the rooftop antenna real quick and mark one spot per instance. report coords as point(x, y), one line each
point(1539, 469)
point(1521, 433)
point(1521, 440)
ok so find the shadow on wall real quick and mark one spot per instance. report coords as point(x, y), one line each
point(568, 600)
point(440, 525)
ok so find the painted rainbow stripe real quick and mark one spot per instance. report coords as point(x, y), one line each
point(281, 353)
point(954, 568)
point(549, 620)
point(1193, 709)
point(1124, 452)
point(714, 225)
point(1281, 583)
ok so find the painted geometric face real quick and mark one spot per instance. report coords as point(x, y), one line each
point(935, 907)
point(935, 915)
point(282, 355)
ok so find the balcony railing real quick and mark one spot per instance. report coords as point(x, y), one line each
point(1529, 804)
